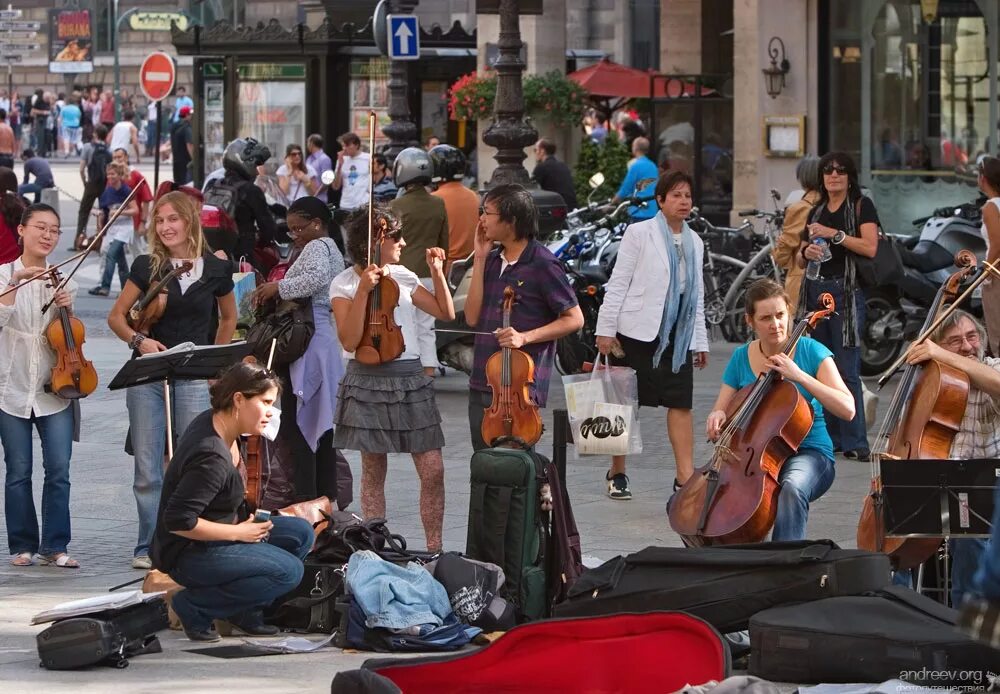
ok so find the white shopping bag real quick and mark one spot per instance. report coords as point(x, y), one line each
point(603, 408)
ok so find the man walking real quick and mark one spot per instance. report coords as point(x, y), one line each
point(319, 160)
point(6, 141)
point(94, 160)
point(351, 178)
point(124, 135)
point(119, 235)
point(180, 102)
point(182, 146)
point(552, 174)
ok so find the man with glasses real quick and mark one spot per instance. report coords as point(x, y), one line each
point(545, 306)
point(960, 343)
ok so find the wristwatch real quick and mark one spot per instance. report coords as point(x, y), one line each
point(838, 238)
point(136, 340)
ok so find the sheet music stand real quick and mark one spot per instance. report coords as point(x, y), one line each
point(939, 499)
point(185, 362)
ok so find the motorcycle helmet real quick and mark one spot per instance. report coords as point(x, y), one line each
point(243, 156)
point(413, 165)
point(449, 163)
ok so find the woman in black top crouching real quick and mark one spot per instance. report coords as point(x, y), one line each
point(230, 566)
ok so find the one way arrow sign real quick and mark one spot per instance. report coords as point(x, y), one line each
point(404, 37)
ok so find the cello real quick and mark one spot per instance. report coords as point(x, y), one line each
point(73, 376)
point(734, 498)
point(924, 416)
point(512, 417)
point(381, 339)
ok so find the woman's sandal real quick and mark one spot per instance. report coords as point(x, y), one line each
point(22, 559)
point(62, 560)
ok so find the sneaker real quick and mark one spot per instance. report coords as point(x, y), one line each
point(618, 486)
point(207, 636)
point(142, 562)
point(861, 456)
point(99, 291)
point(247, 627)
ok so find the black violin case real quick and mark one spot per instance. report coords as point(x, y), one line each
point(724, 585)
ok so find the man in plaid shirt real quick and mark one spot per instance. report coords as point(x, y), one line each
point(960, 343)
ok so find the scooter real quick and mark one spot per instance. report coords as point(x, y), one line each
point(895, 315)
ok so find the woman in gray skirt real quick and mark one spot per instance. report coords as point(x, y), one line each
point(390, 407)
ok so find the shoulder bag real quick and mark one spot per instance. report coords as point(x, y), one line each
point(289, 322)
point(886, 268)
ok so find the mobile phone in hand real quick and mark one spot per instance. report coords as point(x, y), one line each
point(261, 516)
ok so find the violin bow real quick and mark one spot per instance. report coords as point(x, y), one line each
point(987, 269)
point(371, 181)
point(44, 273)
point(90, 246)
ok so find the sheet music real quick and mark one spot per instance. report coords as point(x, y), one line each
point(99, 603)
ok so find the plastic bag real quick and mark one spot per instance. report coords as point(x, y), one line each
point(244, 284)
point(603, 409)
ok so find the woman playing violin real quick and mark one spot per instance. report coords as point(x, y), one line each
point(390, 407)
point(24, 371)
point(808, 474)
point(192, 300)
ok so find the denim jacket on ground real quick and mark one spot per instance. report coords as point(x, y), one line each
point(396, 597)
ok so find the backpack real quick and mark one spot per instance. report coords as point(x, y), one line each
point(98, 166)
point(223, 196)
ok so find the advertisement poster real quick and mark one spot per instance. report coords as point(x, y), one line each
point(70, 42)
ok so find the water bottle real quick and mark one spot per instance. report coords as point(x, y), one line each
point(812, 269)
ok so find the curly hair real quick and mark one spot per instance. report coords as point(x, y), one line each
point(185, 207)
point(357, 230)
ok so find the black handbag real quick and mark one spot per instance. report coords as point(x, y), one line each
point(288, 322)
point(311, 607)
point(886, 268)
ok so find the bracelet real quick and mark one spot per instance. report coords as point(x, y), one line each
point(136, 340)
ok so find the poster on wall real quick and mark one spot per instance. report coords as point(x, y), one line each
point(370, 92)
point(70, 41)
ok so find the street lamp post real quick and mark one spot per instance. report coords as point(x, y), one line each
point(118, 70)
point(508, 132)
point(402, 131)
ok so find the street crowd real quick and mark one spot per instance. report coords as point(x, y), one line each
point(398, 232)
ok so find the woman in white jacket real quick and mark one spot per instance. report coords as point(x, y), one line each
point(655, 301)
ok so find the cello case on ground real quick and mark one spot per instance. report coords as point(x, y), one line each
point(661, 652)
point(727, 585)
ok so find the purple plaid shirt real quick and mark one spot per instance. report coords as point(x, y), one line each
point(541, 293)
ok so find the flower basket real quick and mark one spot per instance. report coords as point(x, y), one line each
point(551, 97)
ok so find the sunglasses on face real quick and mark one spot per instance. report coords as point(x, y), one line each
point(835, 168)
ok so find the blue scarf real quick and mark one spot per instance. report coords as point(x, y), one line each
point(676, 311)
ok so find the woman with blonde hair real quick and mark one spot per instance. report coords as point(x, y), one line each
point(197, 301)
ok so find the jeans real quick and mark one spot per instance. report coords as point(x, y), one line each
point(26, 188)
point(148, 424)
point(225, 580)
point(804, 478)
point(846, 435)
point(115, 257)
point(967, 554)
point(56, 434)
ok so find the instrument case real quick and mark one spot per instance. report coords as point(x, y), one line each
point(724, 585)
point(110, 636)
point(868, 638)
point(659, 651)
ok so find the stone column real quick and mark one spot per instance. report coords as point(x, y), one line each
point(680, 37)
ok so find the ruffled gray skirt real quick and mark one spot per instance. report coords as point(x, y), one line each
point(389, 408)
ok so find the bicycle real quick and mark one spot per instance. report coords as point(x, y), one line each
point(719, 271)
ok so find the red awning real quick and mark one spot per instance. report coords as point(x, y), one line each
point(609, 79)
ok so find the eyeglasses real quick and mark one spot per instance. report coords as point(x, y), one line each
point(957, 341)
point(483, 211)
point(833, 168)
point(304, 227)
point(295, 154)
point(395, 234)
point(46, 230)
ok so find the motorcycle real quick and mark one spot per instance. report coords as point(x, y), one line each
point(894, 315)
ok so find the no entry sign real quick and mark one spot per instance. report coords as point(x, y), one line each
point(156, 77)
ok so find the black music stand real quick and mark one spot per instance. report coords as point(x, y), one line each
point(185, 362)
point(939, 499)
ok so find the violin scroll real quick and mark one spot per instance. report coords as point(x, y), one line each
point(828, 305)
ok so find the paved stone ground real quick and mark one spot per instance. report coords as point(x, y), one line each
point(105, 526)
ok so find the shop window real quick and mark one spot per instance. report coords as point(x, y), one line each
point(208, 12)
point(272, 103)
point(369, 90)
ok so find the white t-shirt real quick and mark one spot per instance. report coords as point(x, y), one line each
point(982, 229)
point(121, 136)
point(356, 172)
point(296, 188)
point(345, 286)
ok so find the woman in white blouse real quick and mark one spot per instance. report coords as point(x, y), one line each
point(24, 372)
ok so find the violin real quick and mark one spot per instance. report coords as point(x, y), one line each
point(512, 418)
point(73, 377)
point(734, 498)
point(148, 310)
point(382, 339)
point(251, 462)
point(924, 416)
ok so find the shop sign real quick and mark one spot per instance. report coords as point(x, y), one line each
point(157, 21)
point(268, 72)
point(212, 69)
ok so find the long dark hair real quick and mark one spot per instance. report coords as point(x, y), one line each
point(11, 206)
point(853, 186)
point(249, 379)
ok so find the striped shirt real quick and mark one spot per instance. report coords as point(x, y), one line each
point(979, 435)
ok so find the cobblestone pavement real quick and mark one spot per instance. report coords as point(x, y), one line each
point(104, 522)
